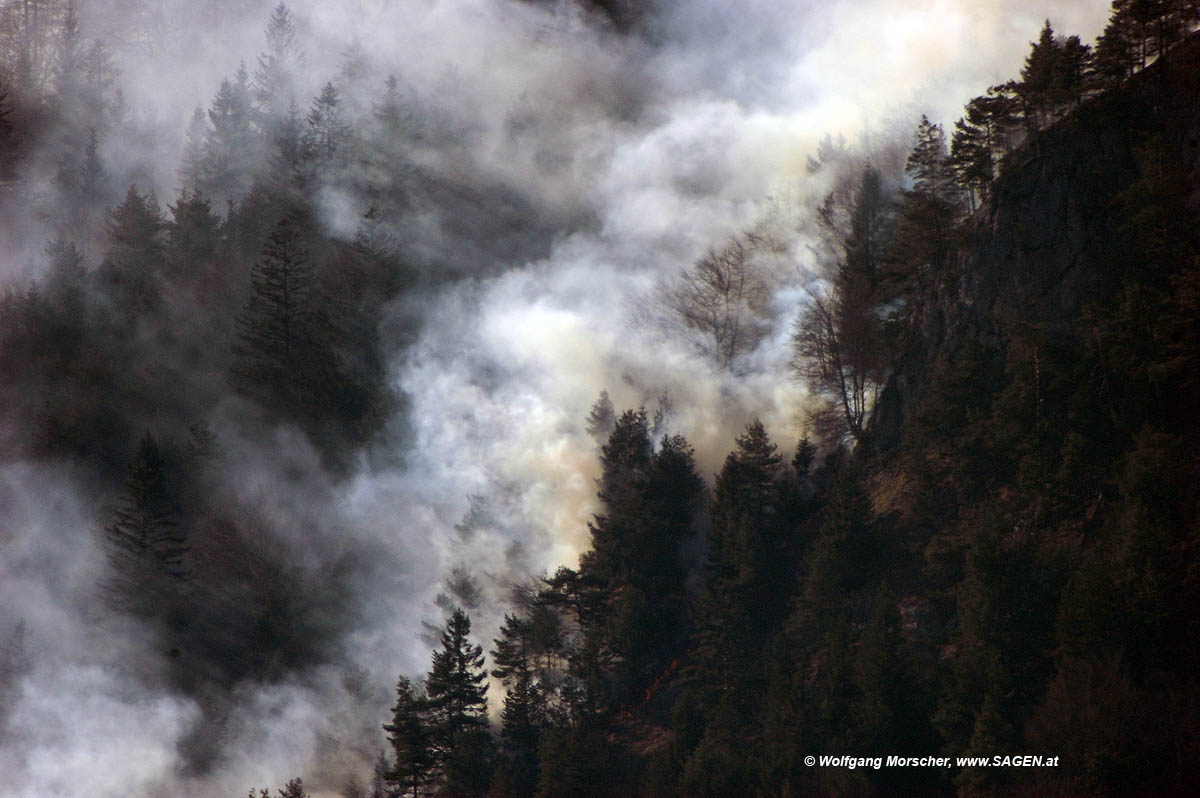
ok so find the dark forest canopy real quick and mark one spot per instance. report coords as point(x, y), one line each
point(983, 543)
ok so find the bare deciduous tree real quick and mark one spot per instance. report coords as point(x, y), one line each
point(725, 297)
point(837, 352)
point(839, 344)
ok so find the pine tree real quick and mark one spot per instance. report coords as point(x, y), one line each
point(890, 712)
point(457, 699)
point(1038, 76)
point(278, 66)
point(843, 556)
point(1117, 54)
point(146, 546)
point(634, 576)
point(803, 459)
point(293, 789)
point(8, 141)
point(928, 163)
point(624, 460)
point(414, 761)
point(602, 418)
point(971, 154)
point(192, 163)
point(326, 133)
point(193, 234)
point(923, 247)
point(747, 587)
point(132, 266)
point(522, 723)
point(275, 328)
point(231, 148)
point(457, 684)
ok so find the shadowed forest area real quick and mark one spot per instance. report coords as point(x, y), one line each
point(979, 538)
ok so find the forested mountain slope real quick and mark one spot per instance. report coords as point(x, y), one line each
point(258, 428)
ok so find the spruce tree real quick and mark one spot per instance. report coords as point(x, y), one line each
point(231, 149)
point(146, 545)
point(131, 271)
point(274, 79)
point(326, 133)
point(275, 328)
point(602, 418)
point(457, 684)
point(414, 760)
point(928, 163)
point(457, 698)
point(192, 163)
point(748, 583)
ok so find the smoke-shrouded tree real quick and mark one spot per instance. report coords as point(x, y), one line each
point(132, 267)
point(414, 760)
point(232, 146)
point(146, 545)
point(601, 418)
point(457, 683)
point(635, 571)
point(326, 133)
point(275, 328)
point(456, 690)
point(924, 240)
point(275, 76)
point(747, 584)
point(724, 297)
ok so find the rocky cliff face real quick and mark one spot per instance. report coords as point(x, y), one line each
point(1056, 235)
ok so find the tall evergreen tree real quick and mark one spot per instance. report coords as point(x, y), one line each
point(748, 582)
point(275, 328)
point(1036, 87)
point(414, 760)
point(231, 149)
point(326, 134)
point(278, 67)
point(132, 266)
point(457, 693)
point(192, 163)
point(146, 545)
point(602, 418)
point(457, 684)
point(928, 163)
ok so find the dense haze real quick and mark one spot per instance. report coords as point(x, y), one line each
point(564, 166)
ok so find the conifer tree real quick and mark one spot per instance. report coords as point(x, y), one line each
point(457, 684)
point(275, 328)
point(747, 587)
point(133, 263)
point(803, 459)
point(8, 141)
point(457, 699)
point(928, 163)
point(274, 79)
point(326, 133)
point(193, 233)
point(231, 148)
point(971, 154)
point(1037, 78)
point(192, 163)
point(843, 556)
point(634, 571)
point(602, 418)
point(414, 760)
point(146, 546)
point(525, 713)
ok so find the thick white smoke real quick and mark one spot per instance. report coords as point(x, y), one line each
point(631, 156)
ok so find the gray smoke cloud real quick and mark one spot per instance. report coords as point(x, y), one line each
point(564, 170)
